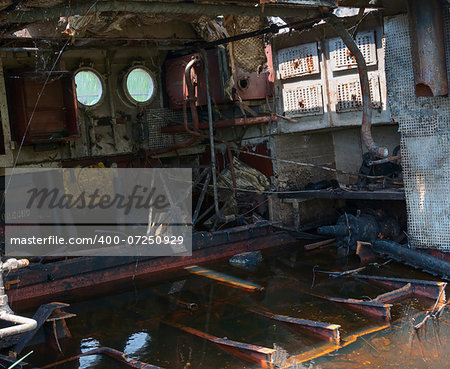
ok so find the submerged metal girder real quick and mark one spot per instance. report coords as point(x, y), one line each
point(224, 278)
point(261, 355)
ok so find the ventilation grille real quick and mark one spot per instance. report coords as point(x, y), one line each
point(341, 59)
point(298, 61)
point(302, 100)
point(349, 94)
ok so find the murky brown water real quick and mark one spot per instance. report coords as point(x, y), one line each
point(132, 322)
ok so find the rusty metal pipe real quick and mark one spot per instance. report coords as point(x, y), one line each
point(236, 122)
point(414, 258)
point(366, 124)
point(191, 98)
point(226, 143)
point(24, 324)
point(211, 136)
point(426, 32)
point(6, 314)
point(117, 355)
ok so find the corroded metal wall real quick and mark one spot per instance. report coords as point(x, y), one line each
point(424, 124)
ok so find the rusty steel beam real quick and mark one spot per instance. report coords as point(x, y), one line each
point(261, 355)
point(427, 47)
point(429, 289)
point(324, 331)
point(374, 309)
point(224, 278)
point(296, 360)
point(395, 5)
point(115, 354)
point(144, 7)
point(225, 123)
point(395, 295)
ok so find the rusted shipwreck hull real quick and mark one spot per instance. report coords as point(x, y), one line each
point(87, 276)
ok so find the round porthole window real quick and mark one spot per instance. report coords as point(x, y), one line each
point(139, 85)
point(89, 87)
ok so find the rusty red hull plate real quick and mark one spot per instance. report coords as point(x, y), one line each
point(89, 276)
point(429, 289)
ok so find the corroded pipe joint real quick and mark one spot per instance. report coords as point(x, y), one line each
point(12, 264)
point(23, 324)
point(187, 75)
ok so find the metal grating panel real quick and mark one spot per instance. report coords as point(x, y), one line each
point(340, 56)
point(424, 124)
point(298, 61)
point(349, 94)
point(303, 100)
point(157, 118)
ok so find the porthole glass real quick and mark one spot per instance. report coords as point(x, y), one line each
point(89, 87)
point(139, 85)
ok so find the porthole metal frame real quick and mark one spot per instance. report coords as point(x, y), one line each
point(102, 82)
point(125, 91)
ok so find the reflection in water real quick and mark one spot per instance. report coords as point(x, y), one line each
point(88, 344)
point(132, 323)
point(136, 343)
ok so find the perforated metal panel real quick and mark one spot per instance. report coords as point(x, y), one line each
point(424, 124)
point(157, 118)
point(340, 56)
point(349, 97)
point(298, 61)
point(302, 100)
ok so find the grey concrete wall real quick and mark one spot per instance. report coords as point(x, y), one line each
point(349, 148)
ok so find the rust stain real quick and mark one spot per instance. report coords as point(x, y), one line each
point(8, 284)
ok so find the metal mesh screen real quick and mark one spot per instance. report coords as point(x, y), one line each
point(157, 118)
point(424, 124)
point(249, 52)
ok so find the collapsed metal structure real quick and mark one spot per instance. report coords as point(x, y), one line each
point(231, 122)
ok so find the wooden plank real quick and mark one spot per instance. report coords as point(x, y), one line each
point(316, 245)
